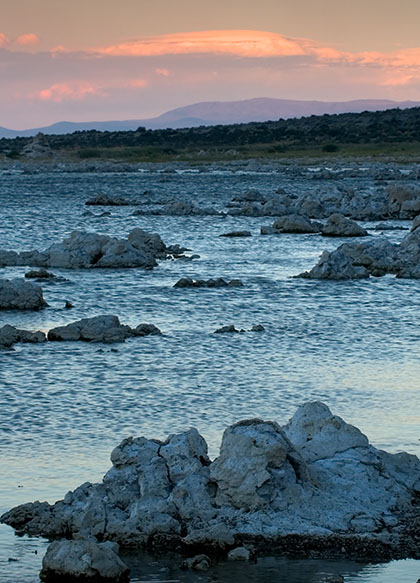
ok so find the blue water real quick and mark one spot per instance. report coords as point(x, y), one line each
point(64, 406)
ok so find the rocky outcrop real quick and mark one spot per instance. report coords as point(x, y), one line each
point(100, 329)
point(18, 294)
point(375, 257)
point(218, 282)
point(340, 226)
point(291, 224)
point(10, 335)
point(177, 208)
point(84, 250)
point(316, 478)
point(83, 560)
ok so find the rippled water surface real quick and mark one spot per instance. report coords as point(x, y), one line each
point(63, 406)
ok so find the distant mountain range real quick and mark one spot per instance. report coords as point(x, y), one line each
point(210, 113)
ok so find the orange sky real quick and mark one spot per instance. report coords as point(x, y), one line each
point(99, 59)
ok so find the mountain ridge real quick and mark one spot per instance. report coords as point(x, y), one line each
point(208, 113)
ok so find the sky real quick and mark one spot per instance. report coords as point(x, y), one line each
point(88, 60)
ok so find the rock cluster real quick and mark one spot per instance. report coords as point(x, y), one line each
point(83, 250)
point(396, 201)
point(100, 329)
point(177, 208)
point(18, 294)
point(317, 477)
point(218, 282)
point(10, 335)
point(376, 257)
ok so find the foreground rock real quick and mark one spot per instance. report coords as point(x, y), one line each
point(83, 560)
point(100, 329)
point(18, 294)
point(314, 483)
point(291, 224)
point(339, 226)
point(10, 335)
point(84, 250)
point(375, 257)
point(218, 282)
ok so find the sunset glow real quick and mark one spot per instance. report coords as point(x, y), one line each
point(47, 75)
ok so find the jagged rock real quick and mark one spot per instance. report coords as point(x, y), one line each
point(218, 282)
point(68, 305)
point(339, 226)
point(18, 294)
point(10, 335)
point(83, 560)
point(291, 224)
point(227, 329)
point(100, 329)
point(257, 328)
point(102, 199)
point(375, 257)
point(316, 478)
point(335, 265)
point(83, 250)
point(237, 234)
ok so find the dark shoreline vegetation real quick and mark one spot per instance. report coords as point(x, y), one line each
point(392, 132)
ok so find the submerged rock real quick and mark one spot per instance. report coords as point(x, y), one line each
point(10, 335)
point(218, 282)
point(107, 200)
point(314, 481)
point(84, 250)
point(18, 294)
point(100, 329)
point(339, 226)
point(236, 234)
point(83, 560)
point(40, 274)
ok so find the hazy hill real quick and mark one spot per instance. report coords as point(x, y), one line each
point(221, 112)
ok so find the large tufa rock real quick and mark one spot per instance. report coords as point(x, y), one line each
point(291, 224)
point(316, 476)
point(100, 329)
point(83, 560)
point(84, 250)
point(376, 257)
point(338, 225)
point(10, 335)
point(18, 294)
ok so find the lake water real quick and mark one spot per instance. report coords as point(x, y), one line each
point(64, 406)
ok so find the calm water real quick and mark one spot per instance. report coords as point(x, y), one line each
point(64, 406)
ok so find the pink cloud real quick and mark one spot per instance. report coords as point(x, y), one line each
point(4, 41)
point(67, 91)
point(27, 39)
point(162, 72)
point(140, 83)
point(244, 43)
